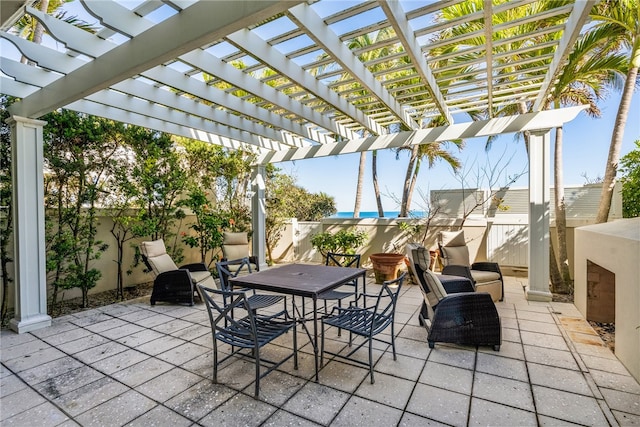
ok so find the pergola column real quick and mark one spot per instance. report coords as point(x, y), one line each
point(539, 173)
point(28, 225)
point(258, 215)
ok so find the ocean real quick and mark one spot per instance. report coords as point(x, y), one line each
point(374, 214)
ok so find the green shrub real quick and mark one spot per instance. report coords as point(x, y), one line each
point(344, 241)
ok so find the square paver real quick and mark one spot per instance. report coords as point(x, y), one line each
point(183, 353)
point(89, 396)
point(454, 356)
point(495, 364)
point(44, 415)
point(568, 406)
point(503, 391)
point(379, 391)
point(486, 413)
point(622, 401)
point(19, 402)
point(142, 372)
point(317, 402)
point(441, 405)
point(66, 382)
point(197, 401)
point(447, 377)
point(562, 379)
point(363, 412)
point(550, 356)
point(167, 385)
point(239, 411)
point(110, 413)
point(284, 418)
point(160, 416)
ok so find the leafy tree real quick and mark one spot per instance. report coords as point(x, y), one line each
point(208, 226)
point(6, 214)
point(78, 151)
point(285, 200)
point(630, 168)
point(158, 170)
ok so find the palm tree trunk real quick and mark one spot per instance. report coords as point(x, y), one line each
point(404, 204)
point(561, 217)
point(609, 181)
point(361, 167)
point(414, 180)
point(376, 185)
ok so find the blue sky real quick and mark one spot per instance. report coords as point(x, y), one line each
point(586, 146)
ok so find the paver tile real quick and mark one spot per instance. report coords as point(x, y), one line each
point(44, 415)
point(440, 405)
point(160, 416)
point(447, 377)
point(485, 413)
point(503, 391)
point(317, 402)
point(568, 406)
point(495, 364)
point(622, 401)
point(109, 412)
point(388, 390)
point(562, 379)
point(360, 412)
point(239, 411)
point(197, 401)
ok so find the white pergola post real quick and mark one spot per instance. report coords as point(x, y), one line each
point(258, 215)
point(539, 173)
point(29, 252)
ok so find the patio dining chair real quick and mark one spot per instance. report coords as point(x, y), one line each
point(341, 260)
point(173, 284)
point(236, 267)
point(251, 332)
point(366, 321)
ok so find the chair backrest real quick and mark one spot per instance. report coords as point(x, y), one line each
point(235, 245)
point(232, 268)
point(434, 292)
point(156, 258)
point(343, 260)
point(453, 248)
point(385, 308)
point(225, 326)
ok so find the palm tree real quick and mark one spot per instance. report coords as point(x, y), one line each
point(433, 152)
point(590, 69)
point(621, 18)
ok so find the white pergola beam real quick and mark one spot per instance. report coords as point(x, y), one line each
point(259, 48)
point(578, 17)
point(181, 33)
point(482, 128)
point(400, 23)
point(316, 29)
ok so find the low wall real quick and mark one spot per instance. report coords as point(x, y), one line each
point(613, 246)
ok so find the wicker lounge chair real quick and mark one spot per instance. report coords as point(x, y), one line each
point(486, 276)
point(469, 318)
point(173, 284)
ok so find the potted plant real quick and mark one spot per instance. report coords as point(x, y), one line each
point(386, 265)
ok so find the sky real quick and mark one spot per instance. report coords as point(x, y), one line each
point(586, 147)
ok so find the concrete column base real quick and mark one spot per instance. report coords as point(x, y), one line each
point(30, 324)
point(539, 296)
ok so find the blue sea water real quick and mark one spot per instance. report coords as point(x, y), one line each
point(374, 214)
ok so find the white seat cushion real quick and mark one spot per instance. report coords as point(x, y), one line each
point(157, 256)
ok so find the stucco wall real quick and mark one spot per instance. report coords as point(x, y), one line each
point(614, 246)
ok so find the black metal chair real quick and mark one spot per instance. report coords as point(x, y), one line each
point(366, 321)
point(250, 332)
point(341, 260)
point(463, 318)
point(236, 267)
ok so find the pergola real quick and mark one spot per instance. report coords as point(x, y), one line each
point(284, 80)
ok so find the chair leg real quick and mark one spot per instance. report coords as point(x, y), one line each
point(215, 361)
point(393, 341)
point(322, 345)
point(371, 359)
point(295, 346)
point(257, 358)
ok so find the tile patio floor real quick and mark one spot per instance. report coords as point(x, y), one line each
point(137, 365)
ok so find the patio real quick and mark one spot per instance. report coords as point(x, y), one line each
point(133, 364)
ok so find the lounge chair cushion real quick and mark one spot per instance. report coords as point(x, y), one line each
point(452, 238)
point(203, 278)
point(456, 255)
point(436, 290)
point(156, 253)
point(422, 257)
point(481, 276)
point(235, 246)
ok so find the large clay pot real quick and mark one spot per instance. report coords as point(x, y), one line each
point(386, 266)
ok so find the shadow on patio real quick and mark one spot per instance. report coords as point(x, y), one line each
point(133, 364)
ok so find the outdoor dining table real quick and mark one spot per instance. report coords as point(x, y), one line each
point(303, 280)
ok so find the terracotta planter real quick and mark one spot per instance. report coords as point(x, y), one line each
point(386, 266)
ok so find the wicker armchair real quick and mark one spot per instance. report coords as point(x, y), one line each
point(486, 276)
point(463, 318)
point(173, 284)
